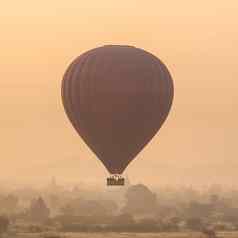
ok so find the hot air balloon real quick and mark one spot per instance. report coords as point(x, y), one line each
point(117, 98)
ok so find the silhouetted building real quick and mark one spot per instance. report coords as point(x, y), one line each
point(38, 211)
point(140, 201)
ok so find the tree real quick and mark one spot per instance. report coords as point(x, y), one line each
point(4, 223)
point(123, 219)
point(81, 207)
point(197, 209)
point(194, 224)
point(9, 204)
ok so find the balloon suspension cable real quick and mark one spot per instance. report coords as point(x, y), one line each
point(115, 180)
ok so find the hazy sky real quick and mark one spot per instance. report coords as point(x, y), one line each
point(197, 40)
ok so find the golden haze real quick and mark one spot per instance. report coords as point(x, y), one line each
point(196, 40)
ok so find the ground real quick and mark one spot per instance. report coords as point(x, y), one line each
point(122, 235)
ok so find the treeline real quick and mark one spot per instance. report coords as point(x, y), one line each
point(138, 209)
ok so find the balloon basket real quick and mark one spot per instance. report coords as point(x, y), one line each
point(115, 180)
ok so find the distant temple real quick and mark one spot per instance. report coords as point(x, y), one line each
point(53, 183)
point(53, 186)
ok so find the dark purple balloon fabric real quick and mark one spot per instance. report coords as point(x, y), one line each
point(117, 98)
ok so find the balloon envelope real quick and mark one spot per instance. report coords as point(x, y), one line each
point(117, 98)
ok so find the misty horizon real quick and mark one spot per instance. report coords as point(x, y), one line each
point(196, 145)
